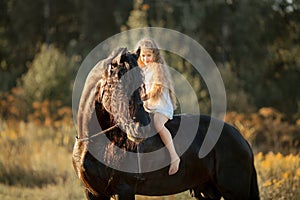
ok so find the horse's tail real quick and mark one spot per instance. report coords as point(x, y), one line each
point(254, 191)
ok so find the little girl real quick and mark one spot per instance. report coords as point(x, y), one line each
point(160, 99)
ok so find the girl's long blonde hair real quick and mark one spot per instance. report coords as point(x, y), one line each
point(162, 76)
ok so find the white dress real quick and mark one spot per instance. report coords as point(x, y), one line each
point(163, 104)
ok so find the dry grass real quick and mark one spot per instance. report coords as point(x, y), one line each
point(279, 176)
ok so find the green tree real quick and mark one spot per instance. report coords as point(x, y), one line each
point(97, 22)
point(25, 26)
point(263, 46)
point(258, 41)
point(138, 17)
point(49, 77)
point(20, 31)
point(255, 42)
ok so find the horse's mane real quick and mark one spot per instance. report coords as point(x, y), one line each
point(113, 100)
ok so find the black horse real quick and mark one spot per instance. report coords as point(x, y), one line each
point(109, 163)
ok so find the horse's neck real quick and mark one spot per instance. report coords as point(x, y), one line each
point(103, 116)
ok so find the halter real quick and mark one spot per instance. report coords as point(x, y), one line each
point(97, 134)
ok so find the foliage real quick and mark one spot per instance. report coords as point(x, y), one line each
point(267, 130)
point(21, 34)
point(138, 16)
point(252, 52)
point(278, 175)
point(257, 40)
point(11, 105)
point(49, 77)
point(96, 22)
point(237, 98)
point(259, 50)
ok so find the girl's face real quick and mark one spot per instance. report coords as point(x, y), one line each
point(146, 56)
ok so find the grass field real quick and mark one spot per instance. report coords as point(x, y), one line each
point(60, 192)
point(35, 164)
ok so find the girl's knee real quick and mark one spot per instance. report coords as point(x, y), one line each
point(158, 117)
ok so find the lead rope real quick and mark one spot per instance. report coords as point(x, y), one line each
point(97, 134)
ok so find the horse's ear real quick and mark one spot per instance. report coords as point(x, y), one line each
point(118, 55)
point(137, 52)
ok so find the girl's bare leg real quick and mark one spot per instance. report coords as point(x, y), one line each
point(165, 135)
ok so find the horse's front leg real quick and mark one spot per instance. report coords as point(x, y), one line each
point(125, 192)
point(90, 196)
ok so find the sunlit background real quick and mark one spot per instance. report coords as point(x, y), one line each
point(255, 44)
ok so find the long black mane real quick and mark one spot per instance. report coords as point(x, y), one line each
point(118, 100)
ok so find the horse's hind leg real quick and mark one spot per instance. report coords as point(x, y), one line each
point(90, 196)
point(206, 193)
point(126, 195)
point(234, 184)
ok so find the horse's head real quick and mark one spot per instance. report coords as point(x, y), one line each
point(119, 93)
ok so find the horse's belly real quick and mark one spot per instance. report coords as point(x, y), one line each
point(167, 185)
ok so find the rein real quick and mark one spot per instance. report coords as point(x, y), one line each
point(97, 134)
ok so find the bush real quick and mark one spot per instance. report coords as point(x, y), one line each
point(237, 98)
point(267, 130)
point(49, 77)
point(11, 104)
point(278, 175)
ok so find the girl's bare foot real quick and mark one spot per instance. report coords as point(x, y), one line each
point(174, 166)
